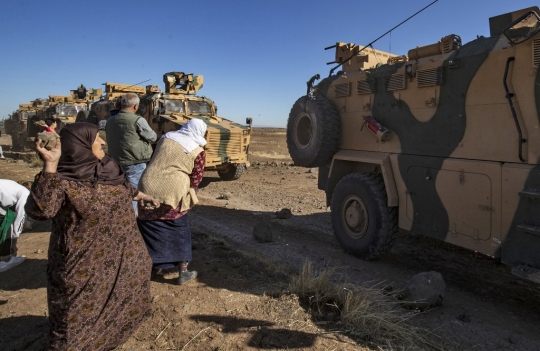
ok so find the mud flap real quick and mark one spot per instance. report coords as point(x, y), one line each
point(527, 272)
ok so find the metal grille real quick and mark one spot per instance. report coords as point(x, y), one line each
point(429, 77)
point(223, 142)
point(364, 87)
point(395, 82)
point(536, 52)
point(341, 90)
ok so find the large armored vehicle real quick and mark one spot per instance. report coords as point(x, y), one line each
point(443, 142)
point(101, 109)
point(17, 124)
point(228, 142)
point(64, 109)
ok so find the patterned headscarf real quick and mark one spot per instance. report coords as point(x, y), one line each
point(79, 163)
point(190, 136)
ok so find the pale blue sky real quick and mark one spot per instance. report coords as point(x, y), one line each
point(255, 55)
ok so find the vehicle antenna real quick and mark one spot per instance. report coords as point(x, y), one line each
point(132, 85)
point(144, 81)
point(373, 42)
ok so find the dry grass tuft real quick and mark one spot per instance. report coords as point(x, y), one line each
point(365, 313)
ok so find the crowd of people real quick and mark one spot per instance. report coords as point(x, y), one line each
point(118, 219)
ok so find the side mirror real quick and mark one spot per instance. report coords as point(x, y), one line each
point(249, 121)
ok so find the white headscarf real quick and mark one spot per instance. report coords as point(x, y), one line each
point(190, 136)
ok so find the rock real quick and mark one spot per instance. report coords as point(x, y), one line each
point(424, 290)
point(284, 213)
point(225, 196)
point(263, 232)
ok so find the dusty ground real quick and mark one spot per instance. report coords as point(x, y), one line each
point(240, 299)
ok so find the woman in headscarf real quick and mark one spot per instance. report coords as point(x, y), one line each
point(173, 176)
point(98, 273)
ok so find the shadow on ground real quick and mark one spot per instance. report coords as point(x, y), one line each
point(31, 274)
point(31, 333)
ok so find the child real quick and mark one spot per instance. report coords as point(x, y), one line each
point(51, 125)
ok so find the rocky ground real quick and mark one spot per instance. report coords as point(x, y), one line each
point(241, 300)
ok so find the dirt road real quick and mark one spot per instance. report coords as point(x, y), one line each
point(485, 307)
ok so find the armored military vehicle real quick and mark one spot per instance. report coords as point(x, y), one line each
point(228, 142)
point(64, 109)
point(67, 109)
point(101, 109)
point(17, 124)
point(443, 142)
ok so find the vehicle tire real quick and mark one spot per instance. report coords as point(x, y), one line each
point(233, 172)
point(313, 131)
point(363, 223)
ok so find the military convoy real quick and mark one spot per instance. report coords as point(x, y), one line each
point(24, 124)
point(443, 142)
point(228, 142)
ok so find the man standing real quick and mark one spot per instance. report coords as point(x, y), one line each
point(128, 139)
point(12, 200)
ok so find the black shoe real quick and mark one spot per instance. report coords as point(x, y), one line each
point(186, 276)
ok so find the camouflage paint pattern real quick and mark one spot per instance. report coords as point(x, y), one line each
point(454, 145)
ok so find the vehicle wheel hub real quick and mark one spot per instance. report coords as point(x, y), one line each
point(355, 217)
point(304, 130)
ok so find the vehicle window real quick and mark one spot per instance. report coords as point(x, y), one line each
point(174, 105)
point(199, 107)
point(523, 28)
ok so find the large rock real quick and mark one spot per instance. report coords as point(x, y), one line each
point(424, 290)
point(263, 232)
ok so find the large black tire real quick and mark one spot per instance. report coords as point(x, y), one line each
point(233, 172)
point(313, 131)
point(363, 223)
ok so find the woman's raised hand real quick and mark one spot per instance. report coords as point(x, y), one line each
point(50, 157)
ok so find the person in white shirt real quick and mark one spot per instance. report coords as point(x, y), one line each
point(1, 153)
point(12, 200)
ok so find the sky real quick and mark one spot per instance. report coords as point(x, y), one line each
point(255, 55)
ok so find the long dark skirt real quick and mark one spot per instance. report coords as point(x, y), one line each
point(168, 241)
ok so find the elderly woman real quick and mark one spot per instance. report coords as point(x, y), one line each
point(172, 176)
point(98, 274)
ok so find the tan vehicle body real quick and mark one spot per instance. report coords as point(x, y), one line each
point(101, 110)
point(452, 132)
point(228, 142)
point(16, 125)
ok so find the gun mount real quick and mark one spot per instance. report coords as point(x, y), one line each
point(182, 83)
